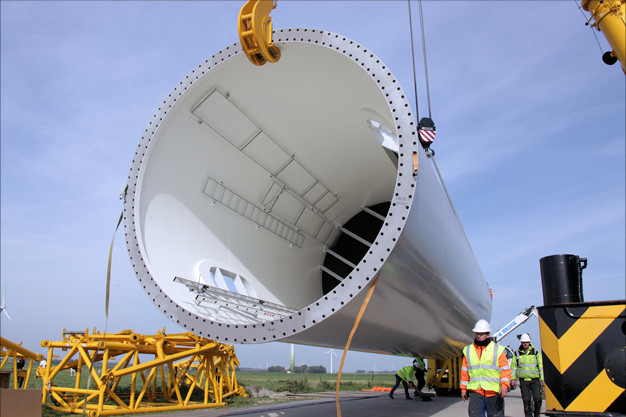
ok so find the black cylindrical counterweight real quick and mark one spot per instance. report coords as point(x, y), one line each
point(561, 278)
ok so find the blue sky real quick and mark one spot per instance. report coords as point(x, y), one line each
point(531, 144)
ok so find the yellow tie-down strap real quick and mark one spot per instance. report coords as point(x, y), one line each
point(255, 31)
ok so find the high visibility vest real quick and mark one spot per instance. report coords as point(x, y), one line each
point(407, 373)
point(529, 364)
point(484, 372)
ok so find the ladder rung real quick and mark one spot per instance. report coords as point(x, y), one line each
point(373, 213)
point(354, 236)
point(331, 273)
point(341, 258)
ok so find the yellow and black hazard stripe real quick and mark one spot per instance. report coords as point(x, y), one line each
point(584, 354)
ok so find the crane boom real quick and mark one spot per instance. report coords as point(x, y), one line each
point(520, 319)
point(609, 17)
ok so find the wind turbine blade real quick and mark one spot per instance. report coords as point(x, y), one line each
point(4, 310)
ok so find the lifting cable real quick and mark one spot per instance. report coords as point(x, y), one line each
point(417, 112)
point(430, 153)
point(425, 61)
point(426, 130)
point(421, 14)
point(587, 20)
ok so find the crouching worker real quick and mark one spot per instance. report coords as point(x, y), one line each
point(406, 375)
point(420, 368)
point(485, 374)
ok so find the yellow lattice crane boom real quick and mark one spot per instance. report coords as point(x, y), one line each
point(166, 372)
point(16, 352)
point(609, 18)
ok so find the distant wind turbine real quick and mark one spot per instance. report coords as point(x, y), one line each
point(332, 352)
point(3, 309)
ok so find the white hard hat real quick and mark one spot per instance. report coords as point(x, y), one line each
point(525, 338)
point(482, 326)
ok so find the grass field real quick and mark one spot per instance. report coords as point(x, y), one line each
point(267, 379)
point(253, 382)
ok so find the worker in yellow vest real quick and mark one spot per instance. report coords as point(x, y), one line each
point(528, 369)
point(485, 374)
point(405, 375)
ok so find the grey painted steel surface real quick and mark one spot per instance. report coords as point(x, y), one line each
point(243, 178)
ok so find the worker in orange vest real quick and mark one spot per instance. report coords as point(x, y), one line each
point(485, 374)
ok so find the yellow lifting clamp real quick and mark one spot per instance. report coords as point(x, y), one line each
point(255, 31)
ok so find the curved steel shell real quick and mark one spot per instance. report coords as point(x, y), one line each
point(263, 201)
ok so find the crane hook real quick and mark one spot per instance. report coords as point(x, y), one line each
point(255, 31)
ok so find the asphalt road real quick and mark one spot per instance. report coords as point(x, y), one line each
point(358, 404)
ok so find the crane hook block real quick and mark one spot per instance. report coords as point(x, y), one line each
point(255, 31)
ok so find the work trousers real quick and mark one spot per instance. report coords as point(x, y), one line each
point(531, 395)
point(419, 376)
point(404, 384)
point(479, 405)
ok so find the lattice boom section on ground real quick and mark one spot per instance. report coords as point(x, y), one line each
point(127, 372)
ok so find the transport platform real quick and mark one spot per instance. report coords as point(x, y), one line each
point(358, 404)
